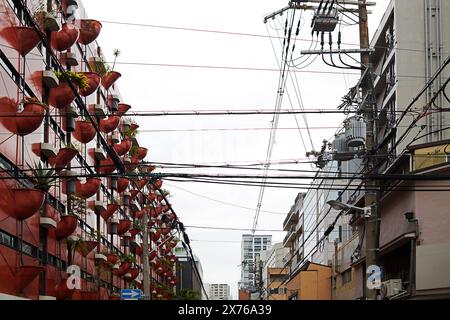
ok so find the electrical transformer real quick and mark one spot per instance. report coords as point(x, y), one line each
point(355, 132)
point(325, 20)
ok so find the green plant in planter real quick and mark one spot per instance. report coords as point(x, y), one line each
point(34, 100)
point(128, 258)
point(129, 133)
point(43, 178)
point(41, 11)
point(138, 226)
point(76, 77)
point(78, 206)
point(134, 151)
point(100, 67)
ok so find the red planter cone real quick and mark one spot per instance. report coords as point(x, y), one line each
point(24, 276)
point(107, 166)
point(66, 226)
point(21, 38)
point(89, 30)
point(65, 155)
point(122, 109)
point(124, 226)
point(62, 96)
point(110, 124)
point(93, 83)
point(122, 184)
point(142, 153)
point(86, 247)
point(123, 269)
point(88, 189)
point(84, 131)
point(110, 210)
point(21, 204)
point(110, 78)
point(65, 38)
point(123, 147)
point(21, 123)
point(112, 258)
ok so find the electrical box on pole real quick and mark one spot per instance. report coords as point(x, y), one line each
point(325, 20)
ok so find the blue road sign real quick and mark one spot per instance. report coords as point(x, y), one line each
point(134, 294)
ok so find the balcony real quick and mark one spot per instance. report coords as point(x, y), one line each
point(291, 219)
point(290, 237)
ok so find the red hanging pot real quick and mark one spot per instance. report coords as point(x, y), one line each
point(62, 96)
point(123, 269)
point(134, 193)
point(66, 226)
point(21, 123)
point(110, 210)
point(24, 276)
point(123, 147)
point(139, 251)
point(21, 204)
point(141, 153)
point(134, 272)
point(65, 38)
point(123, 227)
point(151, 196)
point(122, 109)
point(107, 166)
point(134, 232)
point(110, 78)
point(110, 124)
point(112, 258)
point(84, 131)
point(21, 38)
point(155, 236)
point(152, 255)
point(87, 189)
point(65, 155)
point(89, 30)
point(133, 165)
point(93, 83)
point(122, 184)
point(86, 247)
point(141, 183)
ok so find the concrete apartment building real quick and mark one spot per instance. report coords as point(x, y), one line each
point(219, 291)
point(251, 246)
point(412, 42)
point(273, 273)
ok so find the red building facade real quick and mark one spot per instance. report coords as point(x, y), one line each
point(74, 186)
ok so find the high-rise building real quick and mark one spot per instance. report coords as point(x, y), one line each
point(219, 291)
point(187, 275)
point(251, 246)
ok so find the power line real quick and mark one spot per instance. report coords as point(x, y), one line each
point(234, 229)
point(223, 202)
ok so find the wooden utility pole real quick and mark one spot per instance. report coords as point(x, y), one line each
point(371, 221)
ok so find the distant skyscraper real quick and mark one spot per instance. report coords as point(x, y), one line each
point(250, 247)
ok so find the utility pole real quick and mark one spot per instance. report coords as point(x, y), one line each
point(370, 198)
point(146, 266)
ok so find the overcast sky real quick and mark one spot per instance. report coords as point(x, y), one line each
point(148, 87)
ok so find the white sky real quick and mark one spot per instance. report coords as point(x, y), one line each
point(171, 88)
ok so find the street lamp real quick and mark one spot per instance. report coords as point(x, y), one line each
point(343, 206)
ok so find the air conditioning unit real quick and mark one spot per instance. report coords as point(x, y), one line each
point(391, 288)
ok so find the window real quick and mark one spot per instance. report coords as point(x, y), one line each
point(346, 276)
